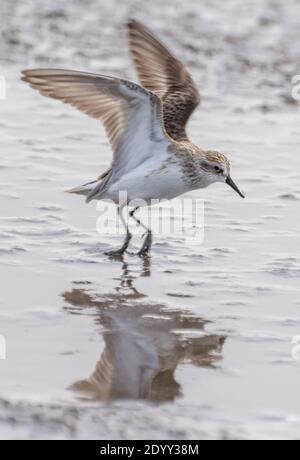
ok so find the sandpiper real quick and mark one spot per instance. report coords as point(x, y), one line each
point(153, 157)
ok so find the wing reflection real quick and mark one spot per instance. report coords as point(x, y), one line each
point(144, 343)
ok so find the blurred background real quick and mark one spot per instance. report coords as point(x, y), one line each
point(198, 341)
point(235, 46)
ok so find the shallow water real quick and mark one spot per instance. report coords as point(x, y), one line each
point(196, 341)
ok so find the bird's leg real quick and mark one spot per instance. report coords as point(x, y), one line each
point(148, 239)
point(120, 252)
point(147, 244)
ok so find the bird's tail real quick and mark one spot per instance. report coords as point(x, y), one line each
point(84, 189)
point(94, 188)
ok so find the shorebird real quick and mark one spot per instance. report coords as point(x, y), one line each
point(146, 126)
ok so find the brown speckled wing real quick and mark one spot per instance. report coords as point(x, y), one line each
point(162, 73)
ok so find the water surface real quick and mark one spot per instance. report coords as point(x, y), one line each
point(195, 341)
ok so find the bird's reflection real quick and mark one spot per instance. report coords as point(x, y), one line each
point(144, 342)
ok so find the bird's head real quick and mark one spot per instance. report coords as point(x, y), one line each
point(216, 167)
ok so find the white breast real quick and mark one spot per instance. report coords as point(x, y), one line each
point(152, 180)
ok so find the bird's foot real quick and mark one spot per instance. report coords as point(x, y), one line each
point(146, 245)
point(116, 254)
point(120, 252)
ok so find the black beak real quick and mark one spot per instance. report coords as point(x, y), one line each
point(230, 182)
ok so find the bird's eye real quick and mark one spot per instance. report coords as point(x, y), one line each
point(218, 169)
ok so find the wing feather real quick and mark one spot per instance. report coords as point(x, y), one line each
point(161, 72)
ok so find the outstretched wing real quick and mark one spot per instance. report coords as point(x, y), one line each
point(132, 116)
point(162, 73)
